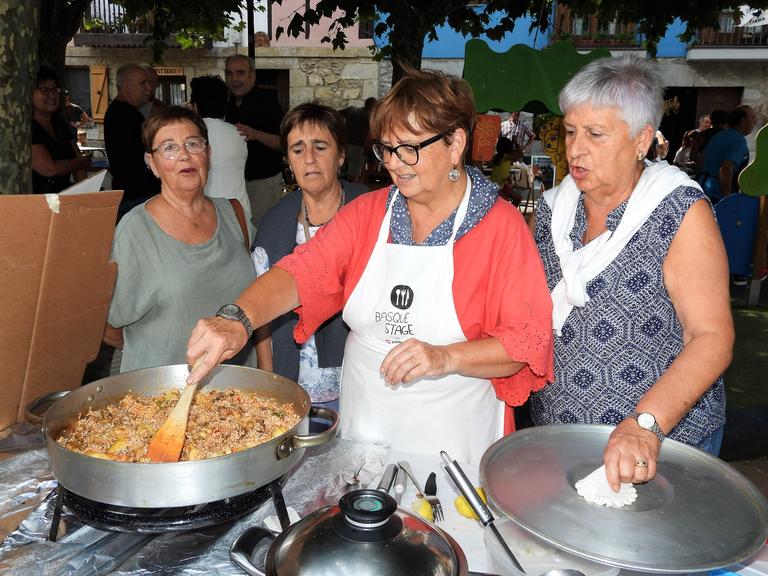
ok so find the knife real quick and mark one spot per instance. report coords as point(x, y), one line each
point(400, 481)
point(484, 514)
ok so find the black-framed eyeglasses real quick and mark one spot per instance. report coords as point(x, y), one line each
point(170, 150)
point(408, 153)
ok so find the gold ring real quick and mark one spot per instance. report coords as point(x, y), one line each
point(641, 463)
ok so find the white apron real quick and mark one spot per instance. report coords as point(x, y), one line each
point(407, 292)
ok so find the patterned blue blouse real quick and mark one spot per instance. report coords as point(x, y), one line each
point(616, 347)
point(482, 195)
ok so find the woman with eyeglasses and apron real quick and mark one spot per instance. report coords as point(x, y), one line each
point(438, 280)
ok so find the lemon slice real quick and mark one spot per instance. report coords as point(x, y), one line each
point(421, 507)
point(463, 507)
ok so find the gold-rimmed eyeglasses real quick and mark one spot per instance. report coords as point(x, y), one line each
point(170, 150)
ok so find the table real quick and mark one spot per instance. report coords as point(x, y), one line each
point(99, 157)
point(317, 481)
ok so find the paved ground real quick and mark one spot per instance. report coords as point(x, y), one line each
point(745, 445)
point(756, 470)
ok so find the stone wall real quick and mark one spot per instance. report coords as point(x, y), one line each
point(338, 78)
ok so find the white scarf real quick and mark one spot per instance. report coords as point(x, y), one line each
point(580, 266)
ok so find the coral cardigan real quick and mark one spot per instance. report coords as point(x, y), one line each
point(499, 288)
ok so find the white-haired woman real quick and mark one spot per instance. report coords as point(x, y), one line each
point(638, 276)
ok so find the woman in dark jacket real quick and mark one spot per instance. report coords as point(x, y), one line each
point(312, 139)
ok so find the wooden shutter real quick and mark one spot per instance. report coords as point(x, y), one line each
point(99, 92)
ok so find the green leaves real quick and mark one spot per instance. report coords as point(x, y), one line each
point(189, 22)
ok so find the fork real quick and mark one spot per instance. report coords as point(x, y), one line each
point(437, 507)
point(430, 492)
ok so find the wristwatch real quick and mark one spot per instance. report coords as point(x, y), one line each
point(234, 312)
point(647, 421)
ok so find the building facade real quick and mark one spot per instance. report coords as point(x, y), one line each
point(718, 69)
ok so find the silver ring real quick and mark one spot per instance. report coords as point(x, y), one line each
point(641, 464)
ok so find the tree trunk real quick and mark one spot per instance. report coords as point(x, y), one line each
point(59, 21)
point(407, 47)
point(52, 52)
point(18, 66)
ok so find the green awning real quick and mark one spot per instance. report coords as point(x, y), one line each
point(522, 78)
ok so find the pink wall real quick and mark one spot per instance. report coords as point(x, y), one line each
point(281, 16)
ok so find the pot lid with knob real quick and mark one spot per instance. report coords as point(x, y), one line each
point(365, 534)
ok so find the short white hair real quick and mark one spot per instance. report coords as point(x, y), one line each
point(630, 84)
point(125, 71)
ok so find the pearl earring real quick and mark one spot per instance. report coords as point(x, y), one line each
point(453, 174)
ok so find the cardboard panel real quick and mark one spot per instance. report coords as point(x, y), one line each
point(23, 242)
point(55, 288)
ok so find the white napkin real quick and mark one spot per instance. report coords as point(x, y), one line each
point(272, 523)
point(595, 488)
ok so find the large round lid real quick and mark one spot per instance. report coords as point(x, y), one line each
point(697, 514)
point(366, 534)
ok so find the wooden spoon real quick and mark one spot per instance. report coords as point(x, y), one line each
point(168, 441)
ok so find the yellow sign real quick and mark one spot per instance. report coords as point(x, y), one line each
point(170, 70)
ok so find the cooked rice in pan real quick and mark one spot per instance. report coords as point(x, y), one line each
point(220, 422)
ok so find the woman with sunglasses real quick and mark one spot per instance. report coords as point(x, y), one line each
point(180, 255)
point(438, 280)
point(56, 160)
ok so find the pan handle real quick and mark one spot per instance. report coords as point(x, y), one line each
point(287, 446)
point(247, 545)
point(35, 411)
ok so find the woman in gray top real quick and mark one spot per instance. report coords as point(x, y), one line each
point(179, 255)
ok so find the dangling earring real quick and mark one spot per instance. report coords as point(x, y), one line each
point(640, 156)
point(453, 174)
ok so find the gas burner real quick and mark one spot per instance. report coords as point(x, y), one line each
point(159, 520)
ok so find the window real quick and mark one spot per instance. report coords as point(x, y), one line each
point(580, 26)
point(172, 90)
point(607, 28)
point(727, 23)
point(365, 30)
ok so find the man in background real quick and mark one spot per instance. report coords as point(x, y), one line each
point(122, 139)
point(154, 104)
point(356, 124)
point(718, 121)
point(257, 115)
point(727, 154)
point(76, 116)
point(705, 123)
point(518, 131)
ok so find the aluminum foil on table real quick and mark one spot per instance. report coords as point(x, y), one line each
point(320, 479)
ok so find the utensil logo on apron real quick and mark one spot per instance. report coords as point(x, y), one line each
point(401, 297)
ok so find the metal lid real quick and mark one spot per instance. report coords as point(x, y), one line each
point(365, 534)
point(697, 514)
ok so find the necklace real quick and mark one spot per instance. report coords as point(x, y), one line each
point(306, 222)
point(193, 221)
